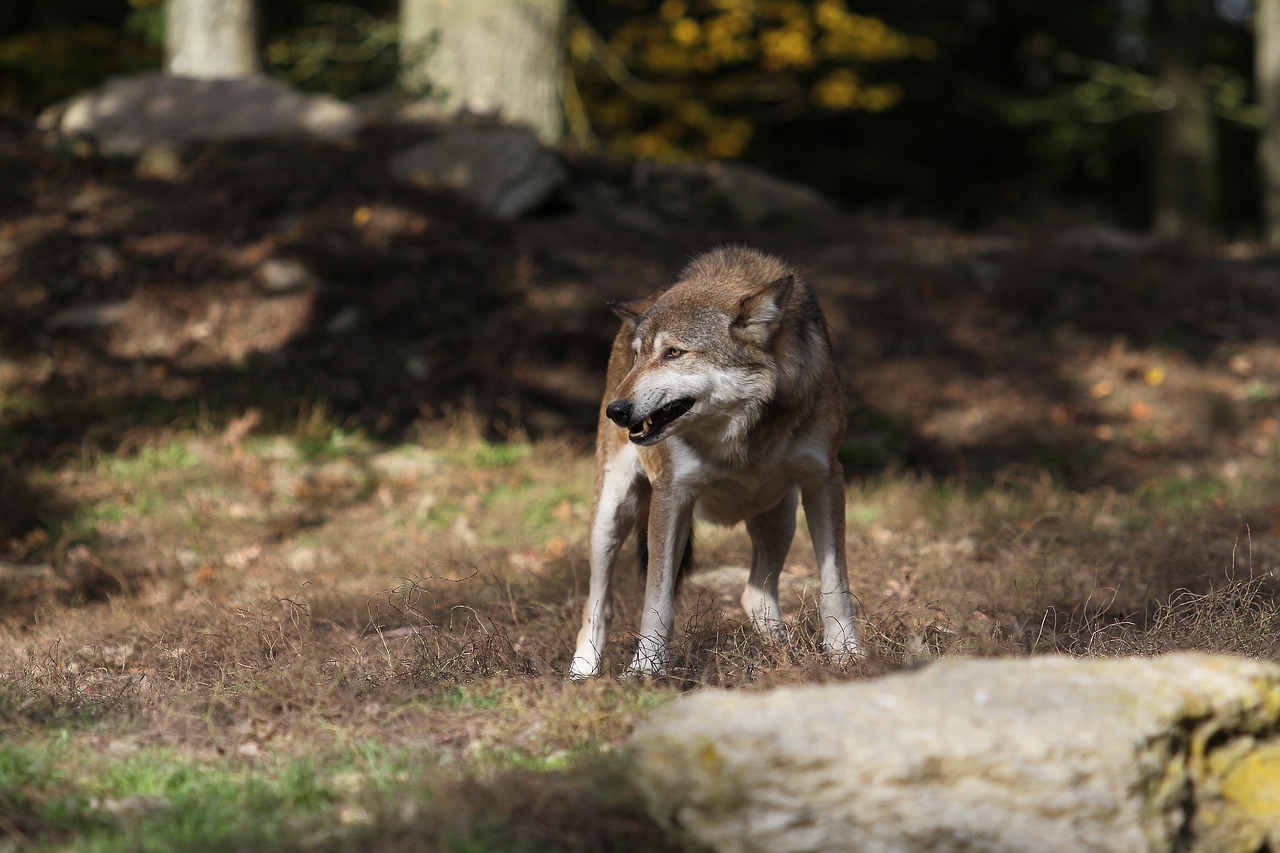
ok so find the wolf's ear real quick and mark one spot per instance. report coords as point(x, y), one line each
point(630, 311)
point(760, 313)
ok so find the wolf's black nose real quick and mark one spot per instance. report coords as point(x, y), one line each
point(619, 411)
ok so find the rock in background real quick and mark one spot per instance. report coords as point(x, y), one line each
point(735, 191)
point(505, 172)
point(1174, 753)
point(130, 114)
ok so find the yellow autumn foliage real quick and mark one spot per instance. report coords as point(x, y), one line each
point(695, 70)
point(788, 46)
point(838, 90)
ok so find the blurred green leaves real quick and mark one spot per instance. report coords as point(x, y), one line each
point(336, 48)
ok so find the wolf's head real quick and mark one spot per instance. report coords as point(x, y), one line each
point(704, 351)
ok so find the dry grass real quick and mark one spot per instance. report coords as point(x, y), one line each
point(373, 638)
point(278, 626)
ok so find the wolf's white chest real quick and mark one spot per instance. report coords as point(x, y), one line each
point(727, 495)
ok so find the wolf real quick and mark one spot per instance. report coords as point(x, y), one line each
point(723, 401)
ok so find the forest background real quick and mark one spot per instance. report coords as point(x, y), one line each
point(973, 111)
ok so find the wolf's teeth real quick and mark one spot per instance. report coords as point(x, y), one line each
point(648, 422)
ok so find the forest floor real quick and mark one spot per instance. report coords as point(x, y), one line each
point(295, 474)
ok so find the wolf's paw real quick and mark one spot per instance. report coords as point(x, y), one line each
point(649, 662)
point(845, 647)
point(641, 671)
point(582, 668)
point(849, 656)
point(776, 636)
point(774, 630)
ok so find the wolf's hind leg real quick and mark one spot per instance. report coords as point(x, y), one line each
point(824, 510)
point(771, 533)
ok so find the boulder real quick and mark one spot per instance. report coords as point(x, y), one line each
point(757, 198)
point(503, 171)
point(132, 113)
point(746, 195)
point(1174, 753)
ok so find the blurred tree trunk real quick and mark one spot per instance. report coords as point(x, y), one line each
point(1186, 143)
point(1267, 77)
point(486, 57)
point(211, 38)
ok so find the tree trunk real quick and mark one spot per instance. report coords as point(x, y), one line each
point(1267, 75)
point(211, 39)
point(1186, 143)
point(501, 57)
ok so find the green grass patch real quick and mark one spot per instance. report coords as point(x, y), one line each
point(19, 403)
point(464, 697)
point(164, 800)
point(172, 457)
point(318, 436)
point(1182, 494)
point(504, 455)
point(38, 797)
point(362, 795)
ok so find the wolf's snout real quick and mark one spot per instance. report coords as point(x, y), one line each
point(619, 411)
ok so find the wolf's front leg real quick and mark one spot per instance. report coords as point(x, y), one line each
point(621, 496)
point(670, 520)
point(824, 508)
point(589, 651)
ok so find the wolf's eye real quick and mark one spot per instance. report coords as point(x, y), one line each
point(673, 352)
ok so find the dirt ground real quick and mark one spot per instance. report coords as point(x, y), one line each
point(267, 281)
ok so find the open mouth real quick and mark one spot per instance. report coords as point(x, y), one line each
point(651, 428)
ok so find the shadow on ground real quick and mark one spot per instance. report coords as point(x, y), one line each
point(282, 279)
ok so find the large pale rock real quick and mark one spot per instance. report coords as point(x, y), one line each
point(1044, 754)
point(504, 171)
point(132, 113)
